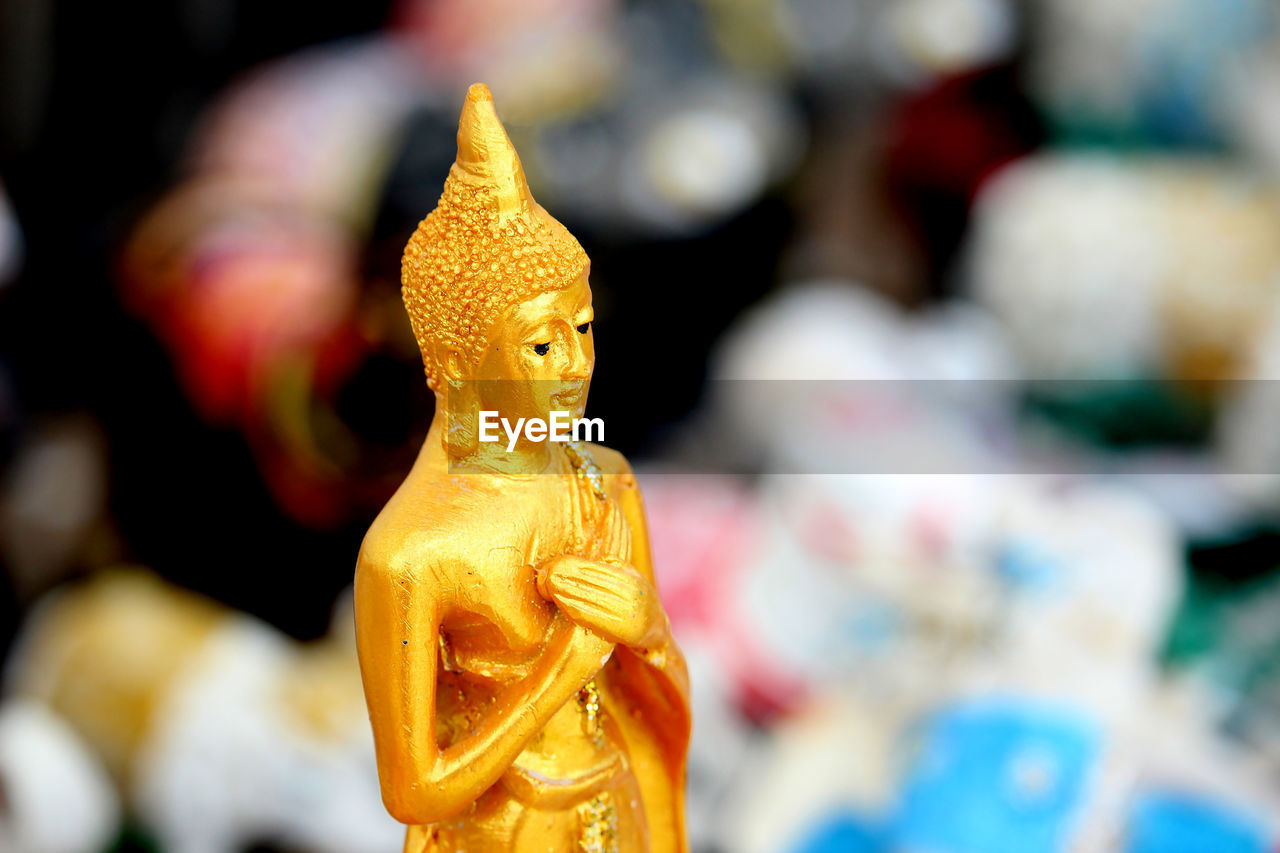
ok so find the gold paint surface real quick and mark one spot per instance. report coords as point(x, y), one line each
point(523, 687)
point(599, 825)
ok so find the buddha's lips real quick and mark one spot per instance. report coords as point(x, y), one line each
point(569, 399)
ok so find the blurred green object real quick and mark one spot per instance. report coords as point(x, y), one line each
point(1124, 413)
point(1226, 634)
point(133, 839)
point(1226, 623)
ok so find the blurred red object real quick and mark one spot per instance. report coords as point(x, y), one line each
point(239, 293)
point(944, 142)
point(247, 269)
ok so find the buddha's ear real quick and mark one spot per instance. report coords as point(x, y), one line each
point(461, 403)
point(453, 365)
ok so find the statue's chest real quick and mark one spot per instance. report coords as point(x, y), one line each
point(500, 622)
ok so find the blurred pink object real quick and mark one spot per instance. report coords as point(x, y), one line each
point(545, 56)
point(704, 530)
point(315, 128)
point(700, 531)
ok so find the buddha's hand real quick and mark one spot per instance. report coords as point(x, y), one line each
point(615, 601)
point(584, 653)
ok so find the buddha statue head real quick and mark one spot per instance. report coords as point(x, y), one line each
point(496, 290)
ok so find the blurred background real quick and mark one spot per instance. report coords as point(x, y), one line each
point(942, 334)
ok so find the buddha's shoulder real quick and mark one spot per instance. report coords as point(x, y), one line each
point(428, 522)
point(617, 471)
point(609, 460)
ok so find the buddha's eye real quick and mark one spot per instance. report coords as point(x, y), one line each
point(582, 330)
point(542, 349)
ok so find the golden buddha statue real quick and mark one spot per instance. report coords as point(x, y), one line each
point(522, 683)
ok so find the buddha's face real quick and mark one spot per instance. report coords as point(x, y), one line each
point(540, 356)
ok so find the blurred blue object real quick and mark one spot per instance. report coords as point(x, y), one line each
point(1175, 822)
point(997, 776)
point(844, 832)
point(1185, 59)
point(1025, 564)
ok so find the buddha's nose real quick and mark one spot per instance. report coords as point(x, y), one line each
point(579, 367)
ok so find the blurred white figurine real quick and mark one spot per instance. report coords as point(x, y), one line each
point(57, 798)
point(1105, 268)
point(220, 731)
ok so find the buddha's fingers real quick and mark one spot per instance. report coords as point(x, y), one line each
point(589, 614)
point(617, 579)
point(608, 601)
point(582, 583)
point(588, 611)
point(582, 567)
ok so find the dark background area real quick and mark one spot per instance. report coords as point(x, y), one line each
point(101, 104)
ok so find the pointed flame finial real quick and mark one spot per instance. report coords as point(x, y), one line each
point(486, 155)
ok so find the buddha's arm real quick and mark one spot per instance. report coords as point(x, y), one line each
point(665, 665)
point(397, 630)
point(655, 682)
